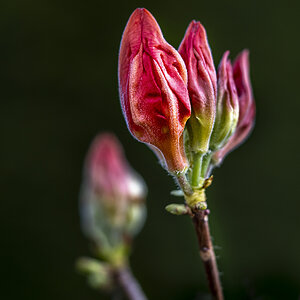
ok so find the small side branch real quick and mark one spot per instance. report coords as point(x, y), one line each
point(200, 220)
point(129, 284)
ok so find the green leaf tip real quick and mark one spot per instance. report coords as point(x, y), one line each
point(177, 193)
point(97, 272)
point(177, 209)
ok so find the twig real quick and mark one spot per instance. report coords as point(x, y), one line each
point(129, 284)
point(200, 220)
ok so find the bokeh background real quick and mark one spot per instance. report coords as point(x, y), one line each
point(58, 87)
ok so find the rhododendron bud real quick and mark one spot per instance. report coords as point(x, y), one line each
point(108, 171)
point(112, 194)
point(202, 82)
point(153, 89)
point(246, 119)
point(227, 105)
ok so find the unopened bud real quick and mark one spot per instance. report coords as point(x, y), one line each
point(227, 106)
point(241, 75)
point(153, 89)
point(196, 54)
point(112, 196)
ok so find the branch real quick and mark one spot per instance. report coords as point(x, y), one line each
point(200, 220)
point(129, 284)
point(207, 254)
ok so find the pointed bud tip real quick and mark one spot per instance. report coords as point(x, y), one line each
point(197, 26)
point(141, 12)
point(245, 53)
point(242, 60)
point(144, 15)
point(224, 58)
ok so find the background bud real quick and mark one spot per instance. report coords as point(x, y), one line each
point(112, 196)
point(153, 91)
point(246, 119)
point(227, 106)
point(196, 54)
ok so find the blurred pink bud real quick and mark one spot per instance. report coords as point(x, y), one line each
point(227, 105)
point(246, 119)
point(112, 194)
point(202, 83)
point(153, 89)
point(108, 173)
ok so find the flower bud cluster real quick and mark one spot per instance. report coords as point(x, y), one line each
point(176, 102)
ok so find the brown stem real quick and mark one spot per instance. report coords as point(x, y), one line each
point(129, 284)
point(200, 220)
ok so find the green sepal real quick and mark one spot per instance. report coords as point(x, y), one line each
point(225, 125)
point(199, 131)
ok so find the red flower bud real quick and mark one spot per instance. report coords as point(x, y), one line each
point(246, 119)
point(153, 91)
point(202, 83)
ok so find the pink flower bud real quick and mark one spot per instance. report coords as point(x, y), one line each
point(108, 172)
point(153, 89)
point(246, 119)
point(227, 105)
point(202, 82)
point(112, 194)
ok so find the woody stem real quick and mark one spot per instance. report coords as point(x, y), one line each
point(207, 254)
point(129, 285)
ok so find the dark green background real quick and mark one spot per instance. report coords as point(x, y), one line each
point(58, 88)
